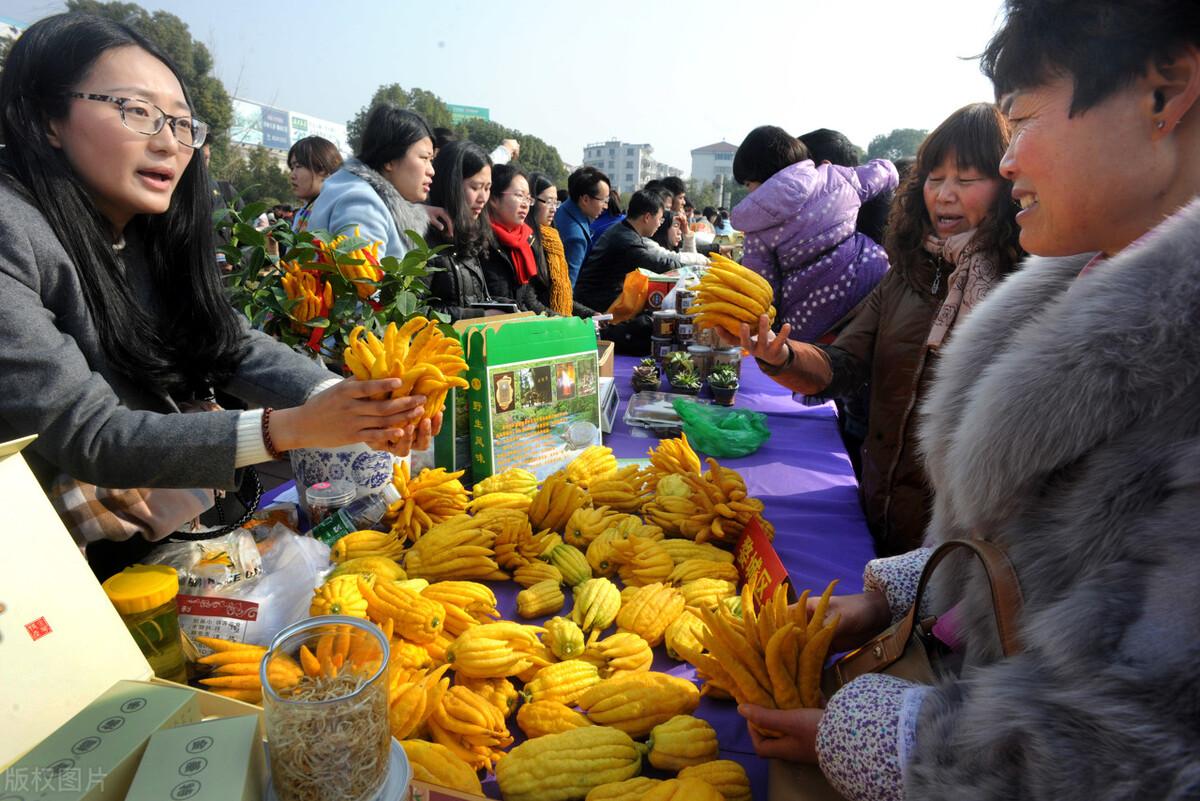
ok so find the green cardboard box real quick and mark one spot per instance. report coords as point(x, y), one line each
point(452, 445)
point(93, 756)
point(534, 394)
point(217, 760)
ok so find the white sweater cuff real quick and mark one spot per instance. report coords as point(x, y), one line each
point(251, 449)
point(324, 385)
point(250, 446)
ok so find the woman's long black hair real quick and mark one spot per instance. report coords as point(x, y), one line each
point(454, 163)
point(192, 340)
point(539, 182)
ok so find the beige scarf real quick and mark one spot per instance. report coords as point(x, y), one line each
point(561, 300)
point(976, 271)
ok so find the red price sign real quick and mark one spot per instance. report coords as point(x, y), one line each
point(758, 563)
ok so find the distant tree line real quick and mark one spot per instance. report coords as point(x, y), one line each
point(535, 153)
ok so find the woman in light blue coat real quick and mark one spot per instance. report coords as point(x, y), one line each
point(381, 191)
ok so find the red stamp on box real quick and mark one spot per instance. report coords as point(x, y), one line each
point(38, 629)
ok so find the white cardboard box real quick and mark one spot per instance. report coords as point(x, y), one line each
point(62, 643)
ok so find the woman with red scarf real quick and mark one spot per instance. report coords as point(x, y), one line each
point(509, 266)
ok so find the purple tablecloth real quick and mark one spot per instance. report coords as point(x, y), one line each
point(807, 486)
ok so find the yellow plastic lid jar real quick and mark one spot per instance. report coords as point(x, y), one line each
point(144, 596)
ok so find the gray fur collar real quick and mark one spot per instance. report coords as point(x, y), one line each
point(1074, 361)
point(1064, 424)
point(407, 216)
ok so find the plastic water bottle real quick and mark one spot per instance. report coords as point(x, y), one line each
point(361, 513)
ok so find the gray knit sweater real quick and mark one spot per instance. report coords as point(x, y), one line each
point(93, 423)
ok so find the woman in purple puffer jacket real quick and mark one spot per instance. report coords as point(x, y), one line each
point(799, 220)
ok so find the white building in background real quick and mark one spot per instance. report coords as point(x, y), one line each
point(256, 124)
point(712, 160)
point(627, 165)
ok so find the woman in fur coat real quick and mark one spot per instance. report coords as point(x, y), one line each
point(1064, 427)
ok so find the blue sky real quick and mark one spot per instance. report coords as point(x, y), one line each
point(678, 75)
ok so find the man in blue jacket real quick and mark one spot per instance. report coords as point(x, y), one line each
point(588, 198)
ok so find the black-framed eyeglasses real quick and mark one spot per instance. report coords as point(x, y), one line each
point(603, 199)
point(142, 116)
point(544, 202)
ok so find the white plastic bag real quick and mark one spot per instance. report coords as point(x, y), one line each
point(254, 611)
point(689, 278)
point(206, 565)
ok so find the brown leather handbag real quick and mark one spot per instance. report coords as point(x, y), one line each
point(903, 650)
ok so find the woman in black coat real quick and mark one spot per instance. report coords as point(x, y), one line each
point(462, 184)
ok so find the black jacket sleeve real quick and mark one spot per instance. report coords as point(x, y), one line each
point(445, 290)
point(527, 300)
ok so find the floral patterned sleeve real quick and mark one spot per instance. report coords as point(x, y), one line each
point(866, 735)
point(869, 727)
point(896, 577)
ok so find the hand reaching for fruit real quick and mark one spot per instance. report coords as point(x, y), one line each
point(345, 413)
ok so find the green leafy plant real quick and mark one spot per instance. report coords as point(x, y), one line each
point(684, 376)
point(689, 381)
point(676, 361)
point(723, 376)
point(326, 284)
point(646, 373)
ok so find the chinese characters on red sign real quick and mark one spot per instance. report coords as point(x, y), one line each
point(757, 562)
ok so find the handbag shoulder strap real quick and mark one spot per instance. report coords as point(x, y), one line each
point(888, 647)
point(249, 493)
point(1002, 581)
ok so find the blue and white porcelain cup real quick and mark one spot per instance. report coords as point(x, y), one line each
point(368, 469)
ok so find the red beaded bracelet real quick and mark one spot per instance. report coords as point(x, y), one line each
point(266, 434)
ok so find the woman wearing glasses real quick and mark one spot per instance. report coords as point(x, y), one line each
point(553, 283)
point(511, 264)
point(114, 317)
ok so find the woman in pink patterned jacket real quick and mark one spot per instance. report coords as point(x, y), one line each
point(799, 220)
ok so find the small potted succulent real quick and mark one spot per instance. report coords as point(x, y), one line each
point(685, 380)
point(645, 376)
point(678, 361)
point(723, 381)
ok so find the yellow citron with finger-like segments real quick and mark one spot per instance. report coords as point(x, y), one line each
point(578, 760)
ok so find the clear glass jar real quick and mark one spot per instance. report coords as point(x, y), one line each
point(731, 356)
point(325, 703)
point(326, 497)
point(702, 357)
point(705, 336)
